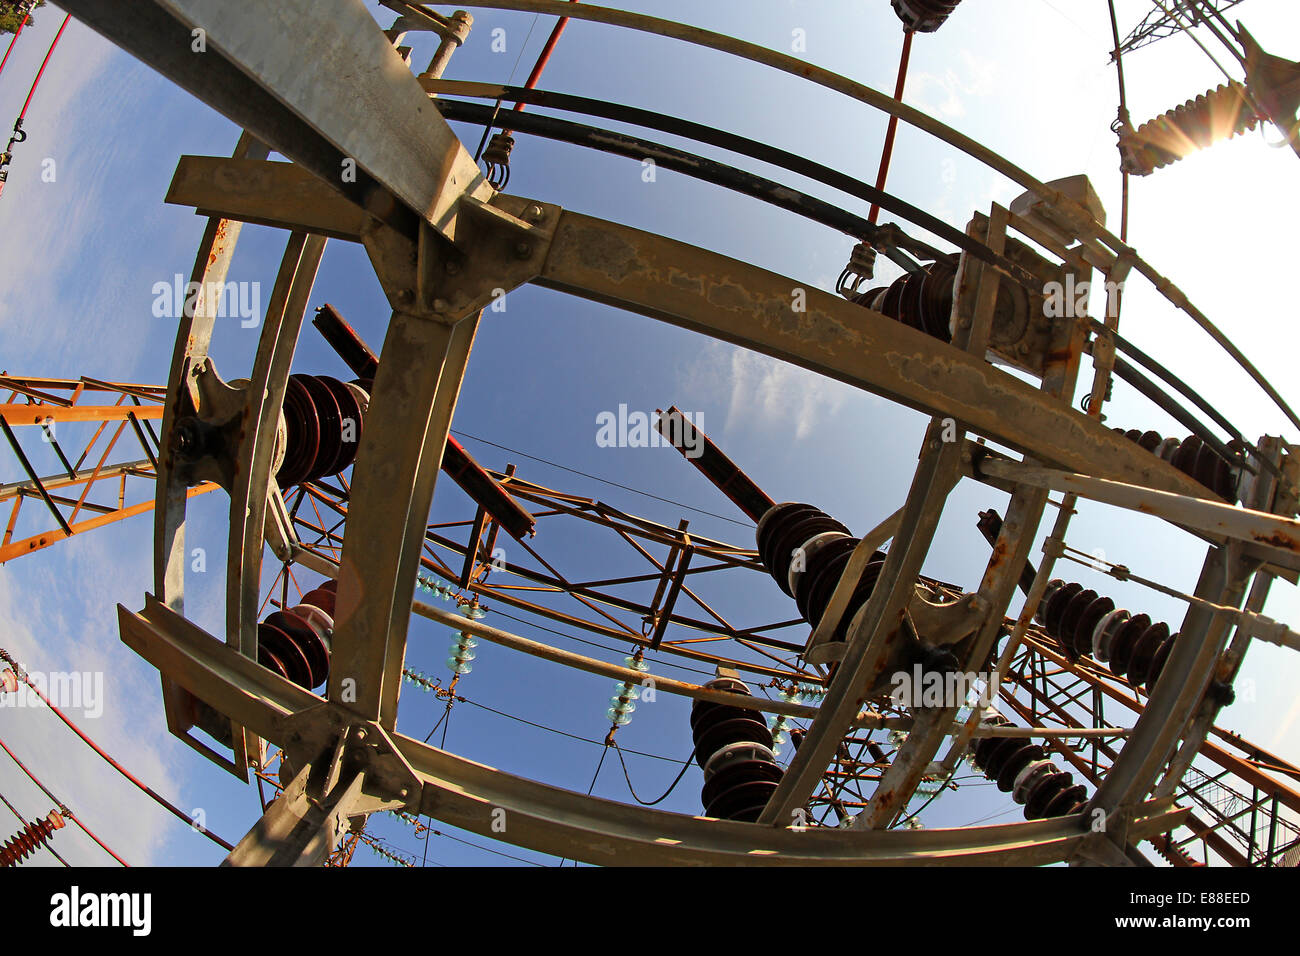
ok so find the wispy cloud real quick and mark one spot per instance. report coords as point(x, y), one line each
point(762, 392)
point(946, 94)
point(70, 625)
point(72, 244)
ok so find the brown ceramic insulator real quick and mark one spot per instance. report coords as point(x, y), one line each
point(1020, 767)
point(29, 839)
point(323, 421)
point(1085, 623)
point(784, 530)
point(733, 746)
point(295, 642)
point(1193, 458)
point(924, 16)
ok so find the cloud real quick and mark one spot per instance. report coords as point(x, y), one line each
point(944, 94)
point(762, 392)
point(72, 627)
point(73, 246)
point(45, 216)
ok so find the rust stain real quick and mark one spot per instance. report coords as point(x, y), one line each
point(1278, 539)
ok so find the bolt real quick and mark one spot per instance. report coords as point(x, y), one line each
point(187, 438)
point(523, 250)
point(441, 305)
point(361, 733)
point(402, 793)
point(452, 268)
point(405, 296)
point(534, 213)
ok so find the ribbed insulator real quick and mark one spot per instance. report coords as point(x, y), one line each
point(1084, 622)
point(1021, 768)
point(924, 16)
point(1192, 457)
point(784, 530)
point(1219, 114)
point(922, 300)
point(461, 653)
point(295, 643)
point(30, 838)
point(733, 746)
point(1172, 853)
point(323, 421)
point(806, 551)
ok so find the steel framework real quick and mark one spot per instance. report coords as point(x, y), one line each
point(1168, 17)
point(321, 84)
point(92, 489)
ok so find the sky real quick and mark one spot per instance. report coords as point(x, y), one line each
point(79, 257)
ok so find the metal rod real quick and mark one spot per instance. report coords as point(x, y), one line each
point(31, 475)
point(714, 464)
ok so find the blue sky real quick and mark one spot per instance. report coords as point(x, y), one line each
point(79, 257)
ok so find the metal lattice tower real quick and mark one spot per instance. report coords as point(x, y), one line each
point(1168, 17)
point(100, 483)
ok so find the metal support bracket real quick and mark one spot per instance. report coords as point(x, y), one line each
point(205, 441)
point(349, 769)
point(947, 623)
point(500, 245)
point(298, 829)
point(336, 746)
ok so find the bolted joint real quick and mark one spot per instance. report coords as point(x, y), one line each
point(194, 439)
point(936, 660)
point(1220, 693)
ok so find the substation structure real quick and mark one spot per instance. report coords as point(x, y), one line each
point(1103, 714)
point(101, 481)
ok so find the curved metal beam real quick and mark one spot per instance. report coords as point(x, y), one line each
point(568, 823)
point(753, 308)
point(865, 94)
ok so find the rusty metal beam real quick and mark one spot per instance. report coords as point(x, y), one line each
point(666, 612)
point(14, 549)
point(713, 463)
point(1277, 538)
point(552, 820)
point(754, 308)
point(25, 414)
